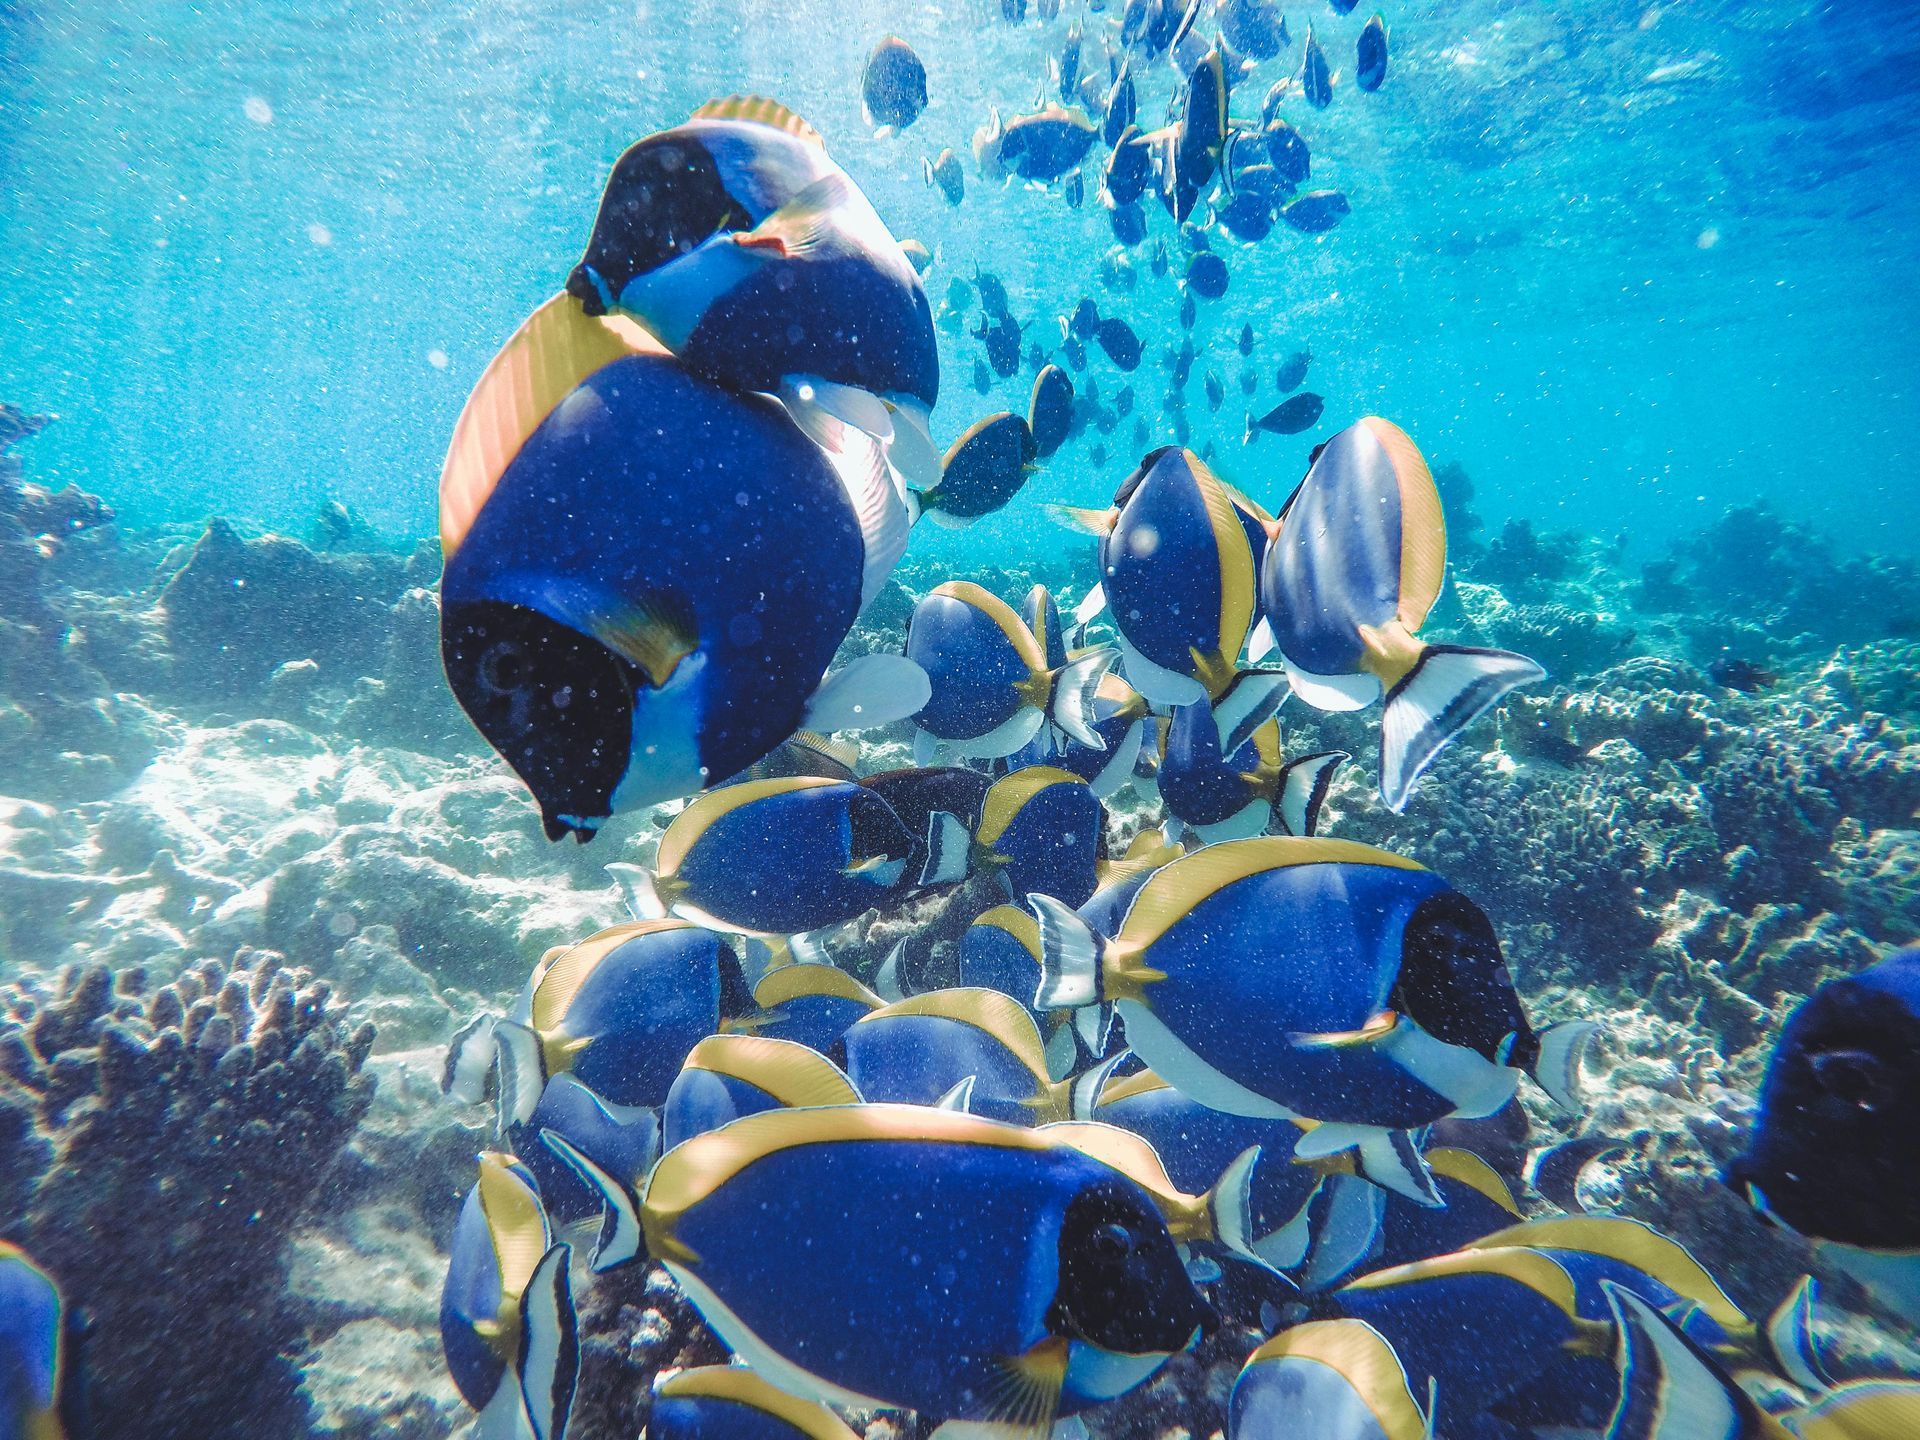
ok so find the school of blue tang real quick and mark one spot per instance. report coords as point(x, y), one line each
point(1193, 1077)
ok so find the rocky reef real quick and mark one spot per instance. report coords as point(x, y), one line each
point(252, 857)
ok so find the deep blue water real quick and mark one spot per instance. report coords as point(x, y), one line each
point(1626, 263)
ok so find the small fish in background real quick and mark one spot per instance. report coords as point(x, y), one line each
point(1287, 152)
point(1224, 779)
point(730, 1402)
point(1129, 168)
point(1358, 558)
point(1074, 352)
point(612, 668)
point(993, 294)
point(1316, 212)
point(1128, 223)
point(1370, 71)
point(1050, 410)
point(1207, 275)
point(893, 87)
point(1246, 340)
point(1067, 65)
point(983, 469)
point(1316, 80)
point(507, 1322)
point(1075, 190)
point(738, 241)
point(1097, 456)
point(1216, 392)
point(1743, 675)
point(861, 1304)
point(1249, 381)
point(1036, 356)
point(730, 1075)
point(993, 687)
point(1158, 261)
point(917, 255)
point(1830, 1153)
point(1189, 310)
point(336, 526)
point(1141, 434)
point(1084, 320)
point(947, 173)
point(1047, 144)
point(34, 1363)
point(982, 377)
point(1255, 28)
point(1122, 108)
point(1123, 401)
point(1289, 417)
point(777, 857)
point(1382, 1002)
point(1001, 337)
point(1121, 345)
point(1292, 372)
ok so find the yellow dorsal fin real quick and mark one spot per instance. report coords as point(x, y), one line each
point(793, 981)
point(762, 111)
point(1631, 1243)
point(1000, 1016)
point(1473, 1172)
point(1356, 1351)
point(790, 1072)
point(515, 1223)
point(565, 968)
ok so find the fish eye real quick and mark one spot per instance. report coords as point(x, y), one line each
point(504, 668)
point(1111, 1241)
point(1849, 1076)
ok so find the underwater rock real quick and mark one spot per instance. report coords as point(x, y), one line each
point(187, 1128)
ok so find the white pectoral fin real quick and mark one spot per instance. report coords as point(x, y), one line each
point(1349, 1212)
point(1448, 688)
point(1159, 684)
point(548, 1364)
point(1260, 642)
point(887, 981)
point(804, 224)
point(1069, 957)
point(873, 690)
point(1091, 604)
point(879, 505)
point(621, 1239)
point(1230, 1207)
point(912, 451)
point(637, 891)
point(1333, 692)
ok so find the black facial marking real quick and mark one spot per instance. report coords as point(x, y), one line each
point(1453, 979)
point(665, 197)
point(1122, 1285)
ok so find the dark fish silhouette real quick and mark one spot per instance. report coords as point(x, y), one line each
point(1316, 80)
point(893, 88)
point(1246, 339)
point(1317, 211)
point(1289, 417)
point(1207, 276)
point(1371, 68)
point(1292, 371)
point(947, 173)
point(1116, 337)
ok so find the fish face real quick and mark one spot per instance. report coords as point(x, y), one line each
point(1122, 1286)
point(664, 198)
point(555, 703)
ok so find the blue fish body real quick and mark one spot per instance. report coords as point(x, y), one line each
point(869, 1310)
point(623, 1143)
point(625, 614)
point(810, 1005)
point(914, 1052)
point(1047, 828)
point(1327, 1370)
point(781, 857)
point(983, 664)
point(728, 1076)
point(32, 1322)
point(1477, 1204)
point(1198, 785)
point(1119, 719)
point(1178, 575)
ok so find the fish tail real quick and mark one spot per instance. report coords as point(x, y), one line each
point(1668, 1384)
point(1447, 688)
point(622, 1236)
point(1075, 686)
point(1230, 1207)
point(950, 850)
point(522, 1062)
point(1391, 1159)
point(1251, 433)
point(1302, 790)
point(547, 1363)
point(1793, 1342)
point(1069, 957)
point(1553, 1058)
point(1083, 1092)
point(470, 1059)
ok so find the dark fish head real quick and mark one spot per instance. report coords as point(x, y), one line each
point(556, 704)
point(1122, 1286)
point(1831, 1151)
point(665, 197)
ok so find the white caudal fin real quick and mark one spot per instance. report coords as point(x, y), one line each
point(888, 983)
point(470, 1061)
point(1671, 1389)
point(1303, 790)
point(1448, 688)
point(549, 1361)
point(621, 1238)
point(1230, 1207)
point(1562, 1050)
point(949, 850)
point(1251, 698)
point(1350, 1213)
point(1069, 957)
point(872, 690)
point(1084, 1094)
point(1332, 692)
point(1074, 688)
point(1793, 1340)
point(523, 1073)
point(1389, 1158)
point(637, 890)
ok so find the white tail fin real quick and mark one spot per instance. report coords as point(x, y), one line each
point(949, 850)
point(1303, 790)
point(1389, 1158)
point(470, 1061)
point(872, 690)
point(523, 1073)
point(887, 981)
point(1251, 698)
point(1230, 1207)
point(637, 891)
point(1556, 1069)
point(1794, 1342)
point(1074, 689)
point(1069, 957)
point(621, 1238)
point(1448, 688)
point(548, 1364)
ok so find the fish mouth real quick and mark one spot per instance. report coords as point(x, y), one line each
point(590, 288)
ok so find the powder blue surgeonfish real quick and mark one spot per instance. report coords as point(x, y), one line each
point(809, 1004)
point(1177, 573)
point(839, 1252)
point(1313, 978)
point(739, 242)
point(647, 575)
point(32, 1330)
point(1337, 1379)
point(1041, 829)
point(992, 689)
point(728, 1076)
point(1120, 720)
point(1225, 787)
point(729, 1402)
point(778, 857)
point(506, 1312)
point(1346, 584)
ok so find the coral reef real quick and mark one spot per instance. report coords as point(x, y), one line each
point(166, 1142)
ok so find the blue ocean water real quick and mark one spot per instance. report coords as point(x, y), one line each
point(1626, 263)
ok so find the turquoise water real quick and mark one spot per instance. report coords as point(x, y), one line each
point(1627, 264)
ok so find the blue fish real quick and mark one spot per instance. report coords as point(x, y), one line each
point(1364, 992)
point(1316, 80)
point(809, 1004)
point(1828, 1155)
point(1347, 582)
point(1120, 719)
point(1477, 1203)
point(1371, 72)
point(982, 470)
point(972, 1049)
point(921, 794)
point(32, 1360)
point(1042, 830)
point(617, 1138)
point(739, 242)
point(1334, 1378)
point(728, 1076)
point(617, 1011)
point(778, 857)
point(1223, 790)
point(838, 1251)
point(506, 1312)
point(625, 630)
point(1001, 951)
point(1049, 410)
point(728, 1402)
point(992, 689)
point(1177, 573)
